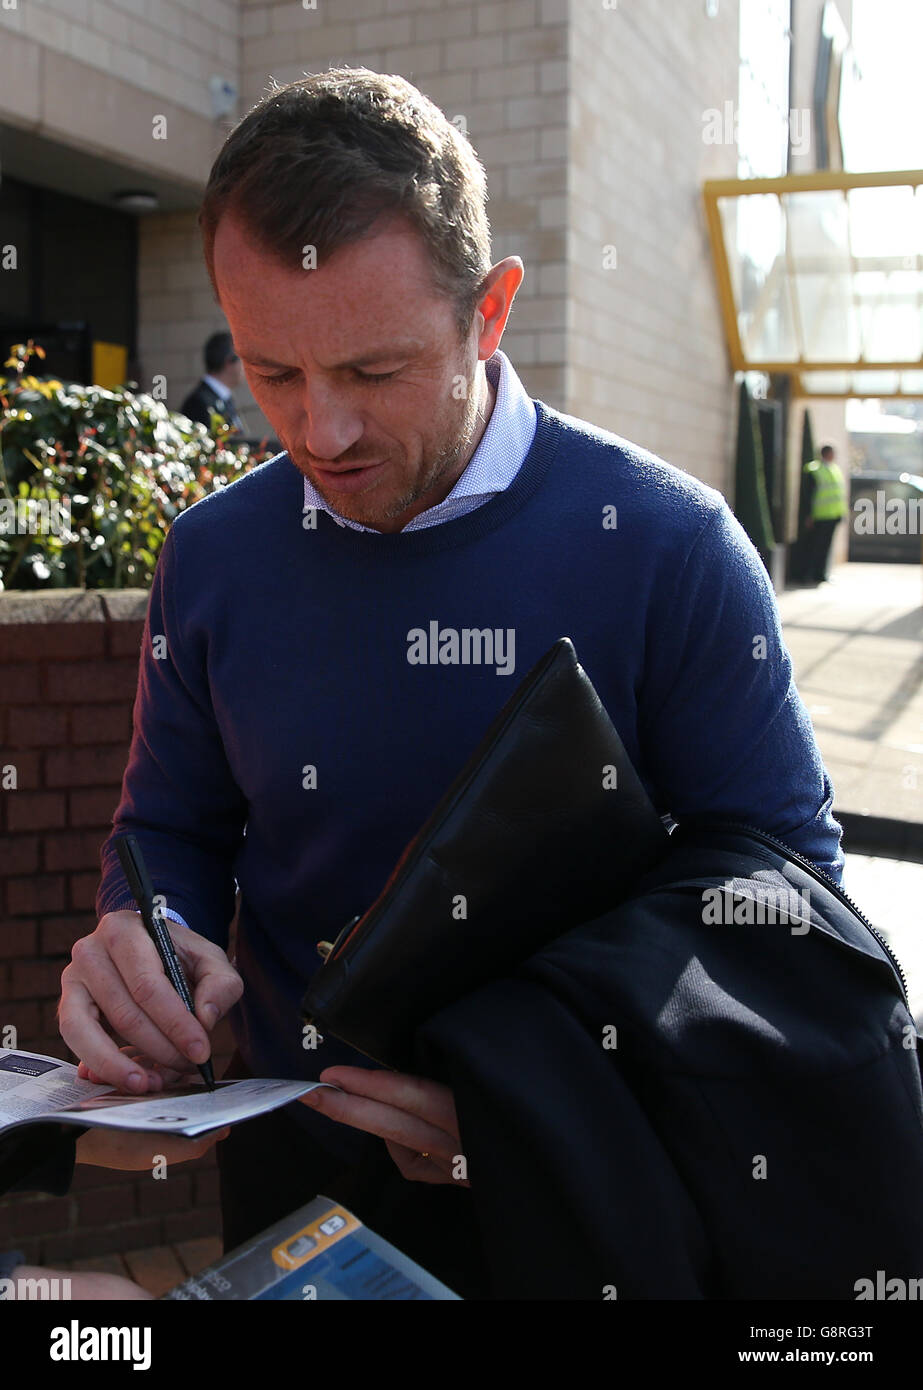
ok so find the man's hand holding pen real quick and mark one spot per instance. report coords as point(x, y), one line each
point(116, 972)
point(165, 988)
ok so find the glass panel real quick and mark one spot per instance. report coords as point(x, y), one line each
point(829, 323)
point(828, 276)
point(819, 260)
point(885, 240)
point(876, 383)
point(727, 211)
point(757, 256)
point(881, 223)
point(816, 383)
point(889, 312)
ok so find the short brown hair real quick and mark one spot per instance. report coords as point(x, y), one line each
point(317, 162)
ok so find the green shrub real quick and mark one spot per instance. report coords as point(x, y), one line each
point(751, 504)
point(91, 479)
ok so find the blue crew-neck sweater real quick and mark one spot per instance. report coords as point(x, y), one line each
point(315, 689)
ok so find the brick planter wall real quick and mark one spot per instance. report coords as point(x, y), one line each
point(68, 671)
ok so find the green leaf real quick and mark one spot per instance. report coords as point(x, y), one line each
point(126, 464)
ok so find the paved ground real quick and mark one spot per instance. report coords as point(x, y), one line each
point(856, 648)
point(157, 1269)
point(858, 658)
point(890, 892)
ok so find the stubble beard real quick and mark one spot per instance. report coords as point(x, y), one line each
point(446, 460)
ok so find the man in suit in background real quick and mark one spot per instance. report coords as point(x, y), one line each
point(222, 373)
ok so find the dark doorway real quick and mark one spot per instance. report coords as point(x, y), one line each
point(75, 279)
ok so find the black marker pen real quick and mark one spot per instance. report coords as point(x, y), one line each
point(132, 861)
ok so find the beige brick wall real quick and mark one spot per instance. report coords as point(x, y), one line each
point(96, 71)
point(177, 311)
point(589, 122)
point(467, 59)
point(503, 68)
point(94, 74)
point(169, 48)
point(647, 356)
point(102, 78)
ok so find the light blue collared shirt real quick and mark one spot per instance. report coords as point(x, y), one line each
point(493, 465)
point(219, 388)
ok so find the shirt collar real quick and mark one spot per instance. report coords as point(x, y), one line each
point(494, 464)
point(217, 386)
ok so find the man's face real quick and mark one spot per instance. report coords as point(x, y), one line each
point(358, 367)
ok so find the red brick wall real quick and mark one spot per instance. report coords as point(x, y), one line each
point(68, 670)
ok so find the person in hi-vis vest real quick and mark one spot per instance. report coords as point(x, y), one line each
point(826, 510)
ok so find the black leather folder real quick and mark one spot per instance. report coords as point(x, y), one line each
point(546, 826)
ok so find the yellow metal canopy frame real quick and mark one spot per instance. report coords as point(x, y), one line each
point(820, 277)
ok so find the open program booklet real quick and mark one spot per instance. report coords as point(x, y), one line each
point(36, 1089)
point(321, 1251)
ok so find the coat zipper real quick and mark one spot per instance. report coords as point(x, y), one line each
point(824, 878)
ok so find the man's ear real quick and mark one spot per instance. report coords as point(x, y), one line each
point(500, 287)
